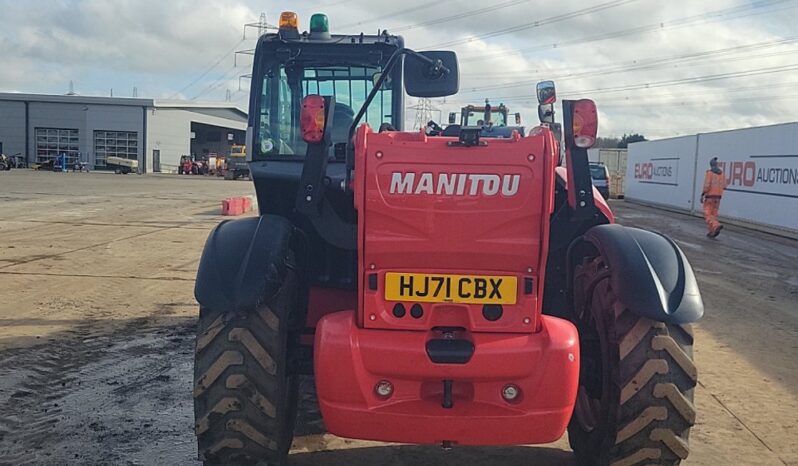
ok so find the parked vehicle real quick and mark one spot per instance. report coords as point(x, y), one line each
point(47, 165)
point(7, 162)
point(189, 165)
point(122, 165)
point(236, 165)
point(494, 120)
point(601, 178)
point(452, 290)
point(18, 161)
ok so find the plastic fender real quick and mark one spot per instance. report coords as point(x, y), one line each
point(650, 273)
point(243, 263)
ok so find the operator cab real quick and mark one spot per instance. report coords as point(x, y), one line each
point(343, 69)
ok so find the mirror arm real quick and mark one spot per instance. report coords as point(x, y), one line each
point(350, 148)
point(437, 69)
point(580, 184)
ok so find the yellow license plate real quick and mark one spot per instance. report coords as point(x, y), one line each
point(438, 288)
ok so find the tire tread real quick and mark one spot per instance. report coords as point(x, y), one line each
point(240, 371)
point(653, 382)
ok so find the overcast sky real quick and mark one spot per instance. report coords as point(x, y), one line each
point(654, 67)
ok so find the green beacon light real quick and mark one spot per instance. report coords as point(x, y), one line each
point(319, 24)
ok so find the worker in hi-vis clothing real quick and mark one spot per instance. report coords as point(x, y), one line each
point(714, 184)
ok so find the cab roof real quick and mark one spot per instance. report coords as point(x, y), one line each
point(315, 38)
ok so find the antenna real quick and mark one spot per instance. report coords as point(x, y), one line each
point(135, 91)
point(71, 88)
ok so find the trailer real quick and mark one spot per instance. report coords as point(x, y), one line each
point(122, 165)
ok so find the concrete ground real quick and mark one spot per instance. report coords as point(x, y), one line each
point(97, 319)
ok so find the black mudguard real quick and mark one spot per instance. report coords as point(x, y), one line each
point(650, 273)
point(244, 263)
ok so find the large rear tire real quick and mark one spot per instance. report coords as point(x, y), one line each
point(635, 399)
point(245, 393)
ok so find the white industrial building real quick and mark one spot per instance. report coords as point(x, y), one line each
point(155, 132)
point(760, 165)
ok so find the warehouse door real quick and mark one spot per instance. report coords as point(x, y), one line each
point(54, 142)
point(156, 160)
point(123, 144)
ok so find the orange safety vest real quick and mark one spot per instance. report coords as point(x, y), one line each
point(714, 184)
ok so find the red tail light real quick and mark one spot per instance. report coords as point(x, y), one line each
point(585, 123)
point(313, 119)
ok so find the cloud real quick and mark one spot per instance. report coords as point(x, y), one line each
point(162, 47)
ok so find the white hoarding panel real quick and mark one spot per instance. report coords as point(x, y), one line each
point(761, 168)
point(661, 172)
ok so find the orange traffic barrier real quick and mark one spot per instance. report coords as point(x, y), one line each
point(233, 206)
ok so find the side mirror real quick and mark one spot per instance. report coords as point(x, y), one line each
point(452, 118)
point(437, 76)
point(547, 94)
point(518, 119)
point(546, 113)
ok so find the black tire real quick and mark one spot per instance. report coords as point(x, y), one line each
point(635, 400)
point(245, 392)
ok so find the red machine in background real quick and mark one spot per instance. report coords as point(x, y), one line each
point(189, 165)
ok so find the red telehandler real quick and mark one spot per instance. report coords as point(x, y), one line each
point(452, 290)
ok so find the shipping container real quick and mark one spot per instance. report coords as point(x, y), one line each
point(760, 165)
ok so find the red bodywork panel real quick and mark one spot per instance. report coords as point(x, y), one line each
point(429, 206)
point(323, 301)
point(350, 361)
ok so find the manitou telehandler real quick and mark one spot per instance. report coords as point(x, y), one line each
point(451, 290)
point(494, 119)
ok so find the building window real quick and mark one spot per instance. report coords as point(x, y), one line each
point(52, 142)
point(123, 144)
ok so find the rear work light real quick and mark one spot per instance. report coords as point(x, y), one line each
point(289, 21)
point(313, 119)
point(585, 123)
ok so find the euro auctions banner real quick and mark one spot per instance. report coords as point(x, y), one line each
point(760, 164)
point(761, 168)
point(771, 175)
point(659, 170)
